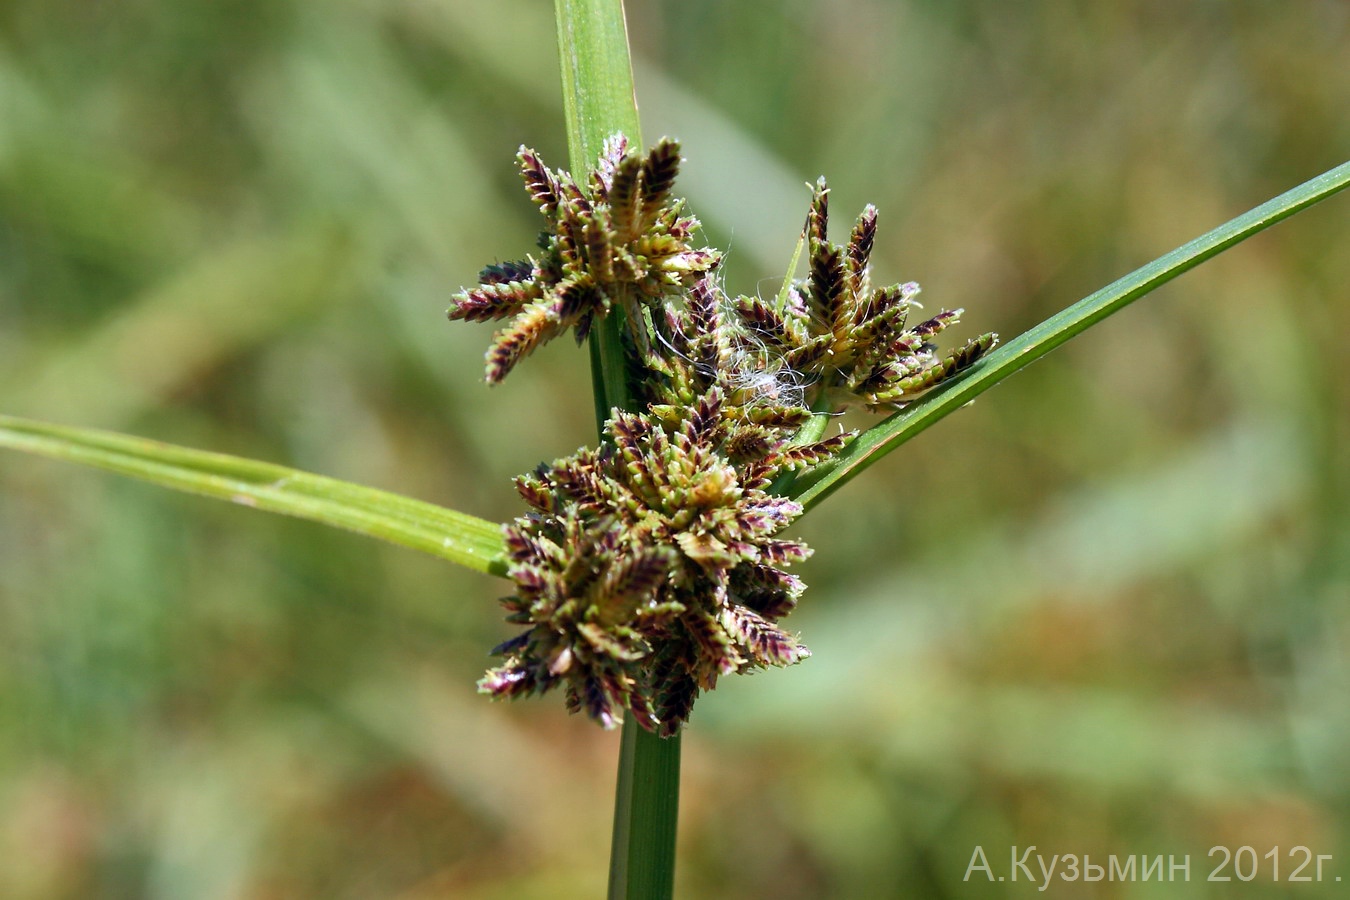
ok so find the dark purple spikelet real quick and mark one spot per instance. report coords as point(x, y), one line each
point(658, 177)
point(673, 689)
point(495, 299)
point(767, 643)
point(540, 183)
point(501, 273)
point(860, 249)
point(534, 325)
point(625, 194)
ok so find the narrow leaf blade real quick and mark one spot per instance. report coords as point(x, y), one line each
point(455, 536)
point(1030, 346)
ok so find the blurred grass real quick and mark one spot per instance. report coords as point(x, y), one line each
point(1104, 610)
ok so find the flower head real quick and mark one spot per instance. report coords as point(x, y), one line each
point(856, 340)
point(646, 570)
point(624, 241)
point(650, 567)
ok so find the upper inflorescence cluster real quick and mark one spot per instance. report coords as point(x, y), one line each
point(623, 242)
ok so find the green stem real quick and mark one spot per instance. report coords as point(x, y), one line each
point(646, 807)
point(598, 101)
point(1030, 346)
point(597, 76)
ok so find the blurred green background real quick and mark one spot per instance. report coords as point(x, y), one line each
point(1106, 610)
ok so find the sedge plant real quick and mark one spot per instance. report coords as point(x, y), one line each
point(649, 566)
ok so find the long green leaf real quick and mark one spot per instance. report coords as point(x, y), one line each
point(458, 537)
point(1030, 346)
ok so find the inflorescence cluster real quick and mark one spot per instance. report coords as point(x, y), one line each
point(651, 566)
